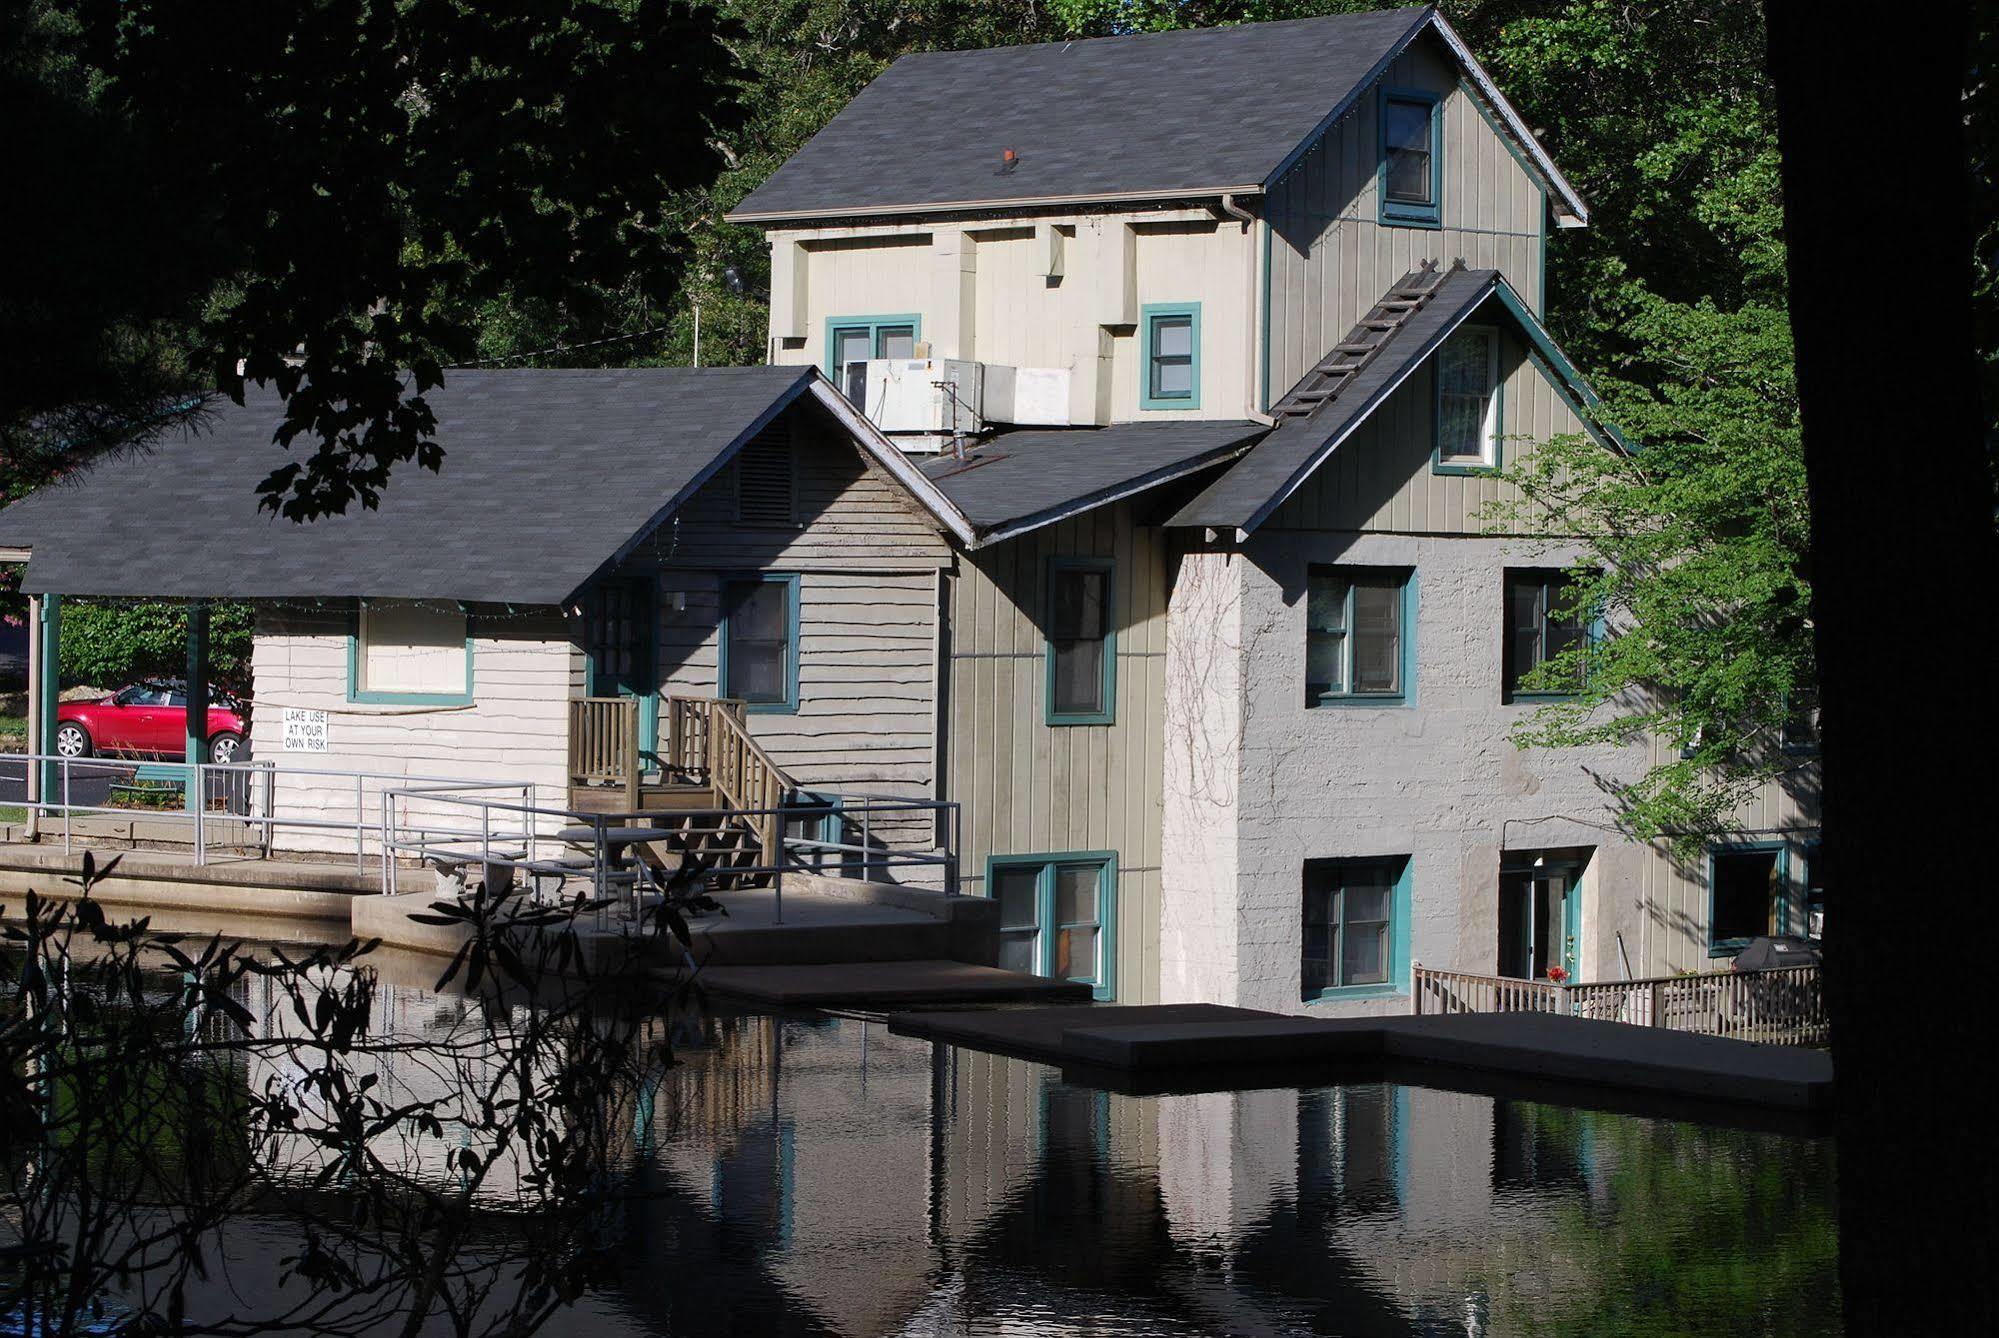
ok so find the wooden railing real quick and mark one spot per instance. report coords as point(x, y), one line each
point(604, 743)
point(1781, 1007)
point(1460, 992)
point(684, 750)
point(743, 775)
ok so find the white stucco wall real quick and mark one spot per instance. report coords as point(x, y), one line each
point(1198, 919)
point(1438, 780)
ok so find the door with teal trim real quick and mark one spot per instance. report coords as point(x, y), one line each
point(1056, 916)
point(1540, 917)
point(623, 631)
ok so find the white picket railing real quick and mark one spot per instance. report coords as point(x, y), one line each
point(1785, 1006)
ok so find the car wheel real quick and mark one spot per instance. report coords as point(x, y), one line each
point(223, 747)
point(72, 740)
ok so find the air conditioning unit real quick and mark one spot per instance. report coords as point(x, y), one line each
point(1027, 396)
point(937, 396)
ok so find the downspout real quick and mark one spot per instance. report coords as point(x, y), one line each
point(1259, 313)
point(940, 657)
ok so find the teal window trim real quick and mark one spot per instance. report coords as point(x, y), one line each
point(789, 706)
point(1728, 947)
point(1105, 986)
point(1409, 213)
point(873, 325)
point(1399, 920)
point(360, 696)
point(1438, 464)
point(1405, 696)
point(1148, 318)
point(1108, 715)
point(1593, 634)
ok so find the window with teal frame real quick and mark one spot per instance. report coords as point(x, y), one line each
point(855, 339)
point(1469, 403)
point(1748, 894)
point(757, 642)
point(1360, 636)
point(404, 653)
point(1170, 355)
point(1410, 182)
point(1081, 677)
point(1058, 915)
point(1356, 928)
point(1542, 623)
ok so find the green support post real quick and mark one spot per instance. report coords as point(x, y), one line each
point(51, 685)
point(197, 698)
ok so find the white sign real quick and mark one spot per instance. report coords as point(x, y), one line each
point(305, 731)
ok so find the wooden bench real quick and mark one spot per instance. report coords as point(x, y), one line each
point(154, 780)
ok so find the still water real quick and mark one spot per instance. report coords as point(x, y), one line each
point(813, 1174)
point(822, 1176)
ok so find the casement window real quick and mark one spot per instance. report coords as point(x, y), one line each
point(1468, 401)
point(1171, 356)
point(1356, 927)
point(852, 340)
point(1357, 636)
point(759, 641)
point(1058, 915)
point(1541, 624)
point(764, 474)
point(1746, 895)
point(1411, 178)
point(1082, 642)
point(409, 653)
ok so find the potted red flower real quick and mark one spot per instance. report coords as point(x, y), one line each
point(1558, 975)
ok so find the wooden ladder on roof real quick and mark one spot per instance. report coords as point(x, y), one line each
point(1348, 358)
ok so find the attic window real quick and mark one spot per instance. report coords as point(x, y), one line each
point(764, 478)
point(1410, 159)
point(1468, 400)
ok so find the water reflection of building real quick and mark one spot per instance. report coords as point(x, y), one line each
point(831, 1178)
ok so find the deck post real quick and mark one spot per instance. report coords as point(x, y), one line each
point(197, 702)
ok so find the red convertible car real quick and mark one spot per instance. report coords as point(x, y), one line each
point(146, 718)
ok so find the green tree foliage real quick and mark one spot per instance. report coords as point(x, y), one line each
point(330, 195)
point(111, 644)
point(1673, 301)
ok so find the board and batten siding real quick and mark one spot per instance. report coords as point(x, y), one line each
point(514, 730)
point(1380, 478)
point(1031, 788)
point(1673, 892)
point(1331, 258)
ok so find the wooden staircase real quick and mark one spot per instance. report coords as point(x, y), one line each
point(716, 786)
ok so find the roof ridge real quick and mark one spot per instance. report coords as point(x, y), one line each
point(1325, 379)
point(1165, 34)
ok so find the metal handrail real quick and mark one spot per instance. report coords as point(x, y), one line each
point(430, 840)
point(362, 825)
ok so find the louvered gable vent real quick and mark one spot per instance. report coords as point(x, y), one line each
point(763, 478)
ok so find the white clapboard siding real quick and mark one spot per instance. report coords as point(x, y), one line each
point(514, 730)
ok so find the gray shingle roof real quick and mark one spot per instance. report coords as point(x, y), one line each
point(1195, 111)
point(1241, 498)
point(1257, 484)
point(546, 475)
point(1030, 478)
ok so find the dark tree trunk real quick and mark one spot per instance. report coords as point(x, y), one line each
point(1876, 206)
